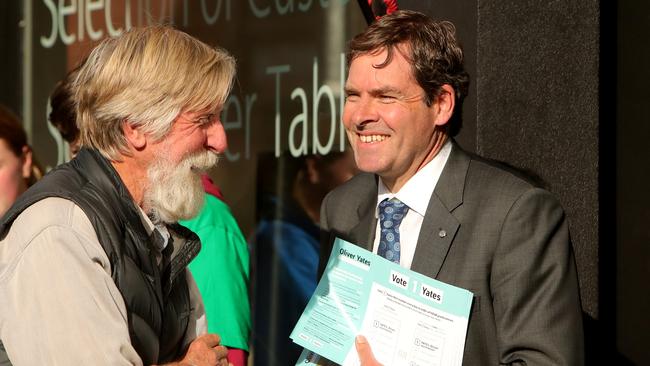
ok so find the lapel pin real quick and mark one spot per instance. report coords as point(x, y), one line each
point(442, 233)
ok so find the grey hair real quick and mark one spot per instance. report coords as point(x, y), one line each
point(147, 77)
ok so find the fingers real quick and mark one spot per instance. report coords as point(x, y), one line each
point(365, 353)
point(210, 340)
point(206, 351)
point(222, 355)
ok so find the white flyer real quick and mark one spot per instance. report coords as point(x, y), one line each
point(408, 318)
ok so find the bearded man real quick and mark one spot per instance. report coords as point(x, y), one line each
point(92, 261)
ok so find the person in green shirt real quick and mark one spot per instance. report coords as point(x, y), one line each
point(221, 271)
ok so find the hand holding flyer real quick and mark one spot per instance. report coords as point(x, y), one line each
point(408, 319)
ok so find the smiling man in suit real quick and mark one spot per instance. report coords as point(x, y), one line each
point(460, 219)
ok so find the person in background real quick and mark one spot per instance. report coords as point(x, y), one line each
point(286, 245)
point(221, 273)
point(93, 265)
point(62, 111)
point(221, 267)
point(425, 204)
point(18, 168)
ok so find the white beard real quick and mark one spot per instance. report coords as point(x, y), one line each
point(175, 191)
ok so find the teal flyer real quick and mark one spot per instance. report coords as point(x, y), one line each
point(408, 318)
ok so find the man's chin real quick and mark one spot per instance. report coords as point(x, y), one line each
point(175, 191)
point(173, 200)
point(163, 213)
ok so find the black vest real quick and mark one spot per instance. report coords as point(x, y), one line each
point(157, 300)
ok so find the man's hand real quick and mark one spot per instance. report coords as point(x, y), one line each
point(365, 353)
point(205, 351)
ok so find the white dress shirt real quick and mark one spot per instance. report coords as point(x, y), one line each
point(416, 194)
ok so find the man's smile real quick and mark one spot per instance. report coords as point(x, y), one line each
point(372, 138)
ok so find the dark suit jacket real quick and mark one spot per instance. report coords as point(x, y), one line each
point(495, 234)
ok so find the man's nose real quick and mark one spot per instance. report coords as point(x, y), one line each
point(217, 140)
point(364, 111)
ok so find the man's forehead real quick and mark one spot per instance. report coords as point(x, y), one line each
point(375, 67)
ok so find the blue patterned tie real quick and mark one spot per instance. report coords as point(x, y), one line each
point(391, 213)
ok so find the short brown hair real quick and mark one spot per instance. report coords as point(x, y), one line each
point(435, 54)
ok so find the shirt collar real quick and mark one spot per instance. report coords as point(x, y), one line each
point(417, 191)
point(161, 229)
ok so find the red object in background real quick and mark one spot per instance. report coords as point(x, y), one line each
point(237, 357)
point(382, 7)
point(210, 188)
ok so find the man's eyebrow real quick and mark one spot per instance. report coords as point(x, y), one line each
point(375, 92)
point(385, 90)
point(349, 90)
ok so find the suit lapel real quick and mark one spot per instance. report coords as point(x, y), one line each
point(363, 233)
point(440, 226)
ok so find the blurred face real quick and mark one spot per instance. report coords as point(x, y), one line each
point(191, 148)
point(14, 170)
point(391, 130)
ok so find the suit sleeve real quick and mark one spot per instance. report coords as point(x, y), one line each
point(326, 239)
point(535, 287)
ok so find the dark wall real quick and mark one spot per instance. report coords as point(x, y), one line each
point(10, 86)
point(538, 108)
point(633, 179)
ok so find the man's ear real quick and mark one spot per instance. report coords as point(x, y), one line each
point(444, 105)
point(26, 162)
point(134, 135)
